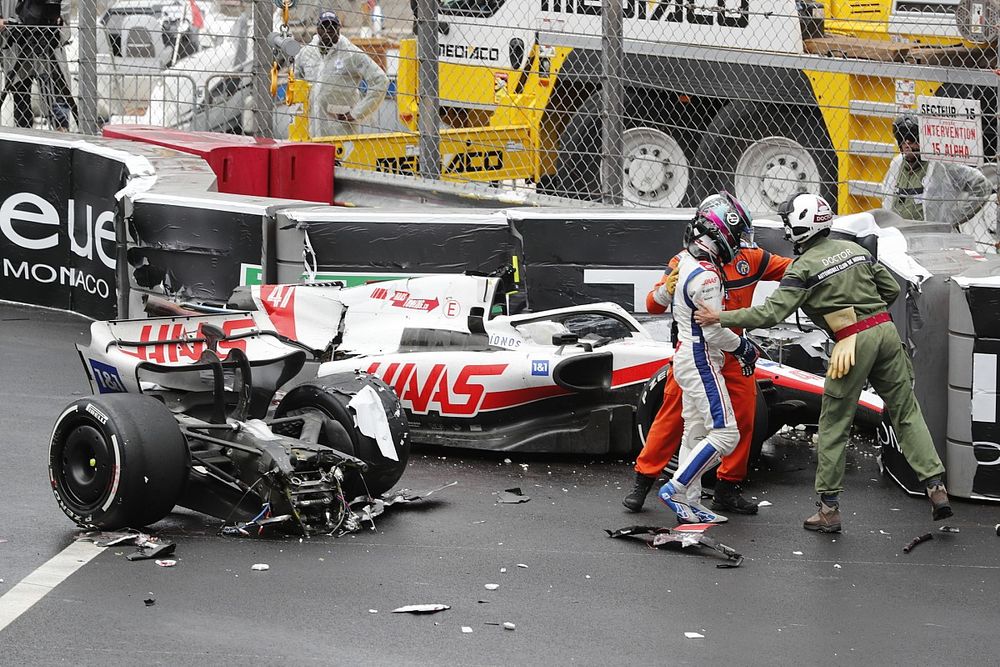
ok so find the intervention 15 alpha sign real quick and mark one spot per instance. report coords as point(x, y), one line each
point(951, 129)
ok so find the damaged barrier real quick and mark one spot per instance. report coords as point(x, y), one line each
point(60, 202)
point(361, 245)
point(921, 315)
point(199, 247)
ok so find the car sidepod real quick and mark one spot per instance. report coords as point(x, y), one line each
point(558, 400)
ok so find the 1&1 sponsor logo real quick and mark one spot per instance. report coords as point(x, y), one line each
point(540, 367)
point(107, 378)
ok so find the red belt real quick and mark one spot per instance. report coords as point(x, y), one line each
point(866, 323)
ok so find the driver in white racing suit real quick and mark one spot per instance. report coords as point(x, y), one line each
point(710, 430)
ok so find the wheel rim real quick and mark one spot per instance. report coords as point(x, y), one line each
point(85, 469)
point(656, 171)
point(771, 170)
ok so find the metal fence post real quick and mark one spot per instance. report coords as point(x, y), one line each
point(263, 105)
point(87, 34)
point(612, 112)
point(428, 103)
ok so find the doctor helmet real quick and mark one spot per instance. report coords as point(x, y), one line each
point(805, 215)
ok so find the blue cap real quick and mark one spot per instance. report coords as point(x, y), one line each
point(328, 17)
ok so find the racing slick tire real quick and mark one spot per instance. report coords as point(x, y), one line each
point(330, 395)
point(649, 404)
point(650, 400)
point(117, 461)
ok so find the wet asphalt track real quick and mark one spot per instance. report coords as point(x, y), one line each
point(583, 599)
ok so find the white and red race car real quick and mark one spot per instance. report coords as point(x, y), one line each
point(582, 379)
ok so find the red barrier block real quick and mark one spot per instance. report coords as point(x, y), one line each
point(248, 165)
point(241, 164)
point(302, 171)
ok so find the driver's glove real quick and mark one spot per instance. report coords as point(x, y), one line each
point(747, 355)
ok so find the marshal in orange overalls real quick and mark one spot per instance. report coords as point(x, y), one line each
point(741, 275)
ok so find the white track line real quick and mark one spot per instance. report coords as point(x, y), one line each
point(40, 583)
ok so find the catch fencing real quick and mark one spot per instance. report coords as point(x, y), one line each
point(656, 105)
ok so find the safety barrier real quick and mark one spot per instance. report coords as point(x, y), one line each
point(248, 166)
point(922, 316)
point(973, 443)
point(197, 246)
point(362, 245)
point(60, 204)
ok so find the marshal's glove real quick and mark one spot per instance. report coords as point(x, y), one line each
point(664, 293)
point(671, 282)
point(747, 355)
point(842, 358)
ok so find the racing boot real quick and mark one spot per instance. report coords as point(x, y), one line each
point(675, 492)
point(634, 501)
point(704, 515)
point(729, 496)
point(939, 499)
point(825, 520)
point(674, 496)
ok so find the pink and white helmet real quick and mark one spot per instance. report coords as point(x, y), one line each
point(719, 225)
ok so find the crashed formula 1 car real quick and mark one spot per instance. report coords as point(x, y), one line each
point(470, 375)
point(431, 360)
point(183, 420)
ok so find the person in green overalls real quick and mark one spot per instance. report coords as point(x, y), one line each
point(908, 200)
point(933, 190)
point(846, 292)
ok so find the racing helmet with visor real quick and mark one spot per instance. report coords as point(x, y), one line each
point(715, 231)
point(733, 212)
point(805, 215)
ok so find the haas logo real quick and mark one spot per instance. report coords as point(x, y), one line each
point(158, 350)
point(420, 393)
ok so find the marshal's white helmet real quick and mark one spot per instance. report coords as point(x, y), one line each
point(805, 215)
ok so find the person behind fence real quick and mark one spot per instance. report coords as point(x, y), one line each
point(741, 276)
point(710, 429)
point(33, 41)
point(336, 69)
point(846, 292)
point(931, 190)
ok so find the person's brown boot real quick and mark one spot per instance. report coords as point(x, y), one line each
point(939, 500)
point(825, 520)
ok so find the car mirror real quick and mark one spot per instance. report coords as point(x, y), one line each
point(475, 321)
point(564, 339)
